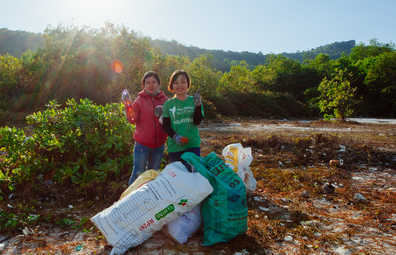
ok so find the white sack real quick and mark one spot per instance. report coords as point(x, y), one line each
point(136, 217)
point(185, 226)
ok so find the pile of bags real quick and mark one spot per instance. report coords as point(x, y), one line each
point(178, 203)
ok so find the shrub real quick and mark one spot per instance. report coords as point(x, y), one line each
point(75, 145)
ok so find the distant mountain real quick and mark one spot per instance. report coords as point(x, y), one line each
point(17, 42)
point(225, 58)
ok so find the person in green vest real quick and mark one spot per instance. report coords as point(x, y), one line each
point(181, 116)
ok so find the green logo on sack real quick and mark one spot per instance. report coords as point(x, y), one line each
point(183, 202)
point(165, 212)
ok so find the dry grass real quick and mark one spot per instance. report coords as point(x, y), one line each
point(292, 168)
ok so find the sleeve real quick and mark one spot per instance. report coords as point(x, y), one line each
point(134, 118)
point(197, 118)
point(167, 127)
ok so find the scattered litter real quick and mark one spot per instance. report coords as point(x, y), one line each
point(48, 182)
point(243, 252)
point(70, 206)
point(12, 195)
point(328, 189)
point(305, 193)
point(359, 197)
point(317, 234)
point(342, 148)
point(263, 208)
point(80, 247)
point(2, 246)
point(258, 199)
point(10, 206)
point(334, 162)
point(288, 238)
point(26, 231)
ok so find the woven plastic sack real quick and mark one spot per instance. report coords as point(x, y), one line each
point(181, 228)
point(225, 211)
point(239, 159)
point(144, 178)
point(135, 218)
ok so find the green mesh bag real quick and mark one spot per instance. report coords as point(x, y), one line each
point(224, 212)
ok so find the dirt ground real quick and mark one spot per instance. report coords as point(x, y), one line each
point(302, 204)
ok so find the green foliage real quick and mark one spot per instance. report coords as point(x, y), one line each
point(204, 75)
point(13, 221)
point(76, 144)
point(76, 63)
point(337, 96)
point(66, 222)
point(259, 104)
point(17, 42)
point(375, 48)
point(238, 79)
point(72, 223)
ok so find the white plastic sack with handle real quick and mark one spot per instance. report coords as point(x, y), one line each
point(185, 226)
point(137, 216)
point(239, 159)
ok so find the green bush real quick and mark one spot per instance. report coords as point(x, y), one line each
point(258, 104)
point(74, 145)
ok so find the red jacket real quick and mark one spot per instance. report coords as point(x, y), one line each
point(149, 131)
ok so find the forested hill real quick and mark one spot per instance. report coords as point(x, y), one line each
point(227, 58)
point(17, 42)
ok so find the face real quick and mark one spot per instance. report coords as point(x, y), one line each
point(180, 86)
point(151, 85)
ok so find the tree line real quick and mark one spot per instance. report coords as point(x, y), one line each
point(75, 62)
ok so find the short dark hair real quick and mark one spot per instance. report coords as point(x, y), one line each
point(148, 75)
point(174, 78)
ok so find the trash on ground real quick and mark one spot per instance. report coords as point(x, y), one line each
point(225, 211)
point(239, 159)
point(136, 217)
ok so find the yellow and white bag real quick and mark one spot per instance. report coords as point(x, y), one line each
point(239, 159)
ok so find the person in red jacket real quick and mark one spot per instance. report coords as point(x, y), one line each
point(149, 134)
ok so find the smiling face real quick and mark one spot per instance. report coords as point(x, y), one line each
point(151, 85)
point(180, 85)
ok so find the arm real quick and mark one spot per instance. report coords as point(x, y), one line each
point(167, 127)
point(197, 118)
point(132, 112)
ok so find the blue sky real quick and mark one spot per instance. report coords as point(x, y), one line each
point(274, 26)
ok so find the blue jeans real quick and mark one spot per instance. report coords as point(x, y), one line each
point(145, 158)
point(176, 156)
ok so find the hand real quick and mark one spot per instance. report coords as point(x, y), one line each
point(158, 111)
point(180, 140)
point(197, 98)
